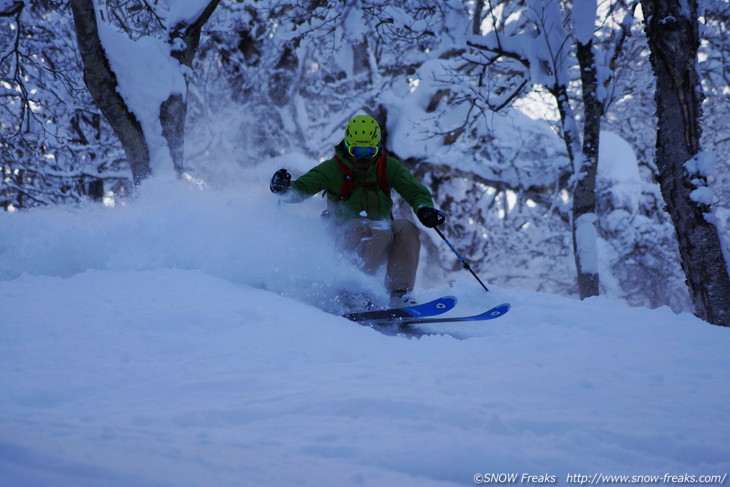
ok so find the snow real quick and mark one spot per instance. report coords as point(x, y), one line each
point(354, 26)
point(587, 236)
point(702, 164)
point(512, 132)
point(174, 340)
point(702, 195)
point(185, 11)
point(550, 50)
point(618, 170)
point(584, 18)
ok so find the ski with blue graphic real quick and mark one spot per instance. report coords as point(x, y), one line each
point(491, 314)
point(417, 311)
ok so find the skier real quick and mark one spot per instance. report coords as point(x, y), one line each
point(358, 181)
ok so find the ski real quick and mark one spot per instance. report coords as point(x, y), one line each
point(491, 314)
point(432, 308)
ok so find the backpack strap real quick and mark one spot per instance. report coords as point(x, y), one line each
point(348, 183)
point(348, 177)
point(382, 172)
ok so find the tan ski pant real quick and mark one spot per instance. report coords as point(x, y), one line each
point(397, 242)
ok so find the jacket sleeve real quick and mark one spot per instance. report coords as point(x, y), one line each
point(317, 179)
point(415, 193)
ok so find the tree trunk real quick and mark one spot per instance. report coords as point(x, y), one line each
point(673, 37)
point(184, 39)
point(102, 84)
point(172, 118)
point(584, 199)
point(584, 192)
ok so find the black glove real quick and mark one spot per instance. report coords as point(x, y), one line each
point(280, 181)
point(430, 217)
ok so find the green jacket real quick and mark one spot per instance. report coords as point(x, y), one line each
point(364, 202)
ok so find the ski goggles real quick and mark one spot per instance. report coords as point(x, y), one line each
point(362, 152)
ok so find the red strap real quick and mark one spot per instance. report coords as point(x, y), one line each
point(382, 172)
point(347, 184)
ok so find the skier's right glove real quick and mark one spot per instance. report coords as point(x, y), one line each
point(280, 181)
point(430, 217)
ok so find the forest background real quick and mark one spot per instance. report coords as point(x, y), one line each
point(533, 122)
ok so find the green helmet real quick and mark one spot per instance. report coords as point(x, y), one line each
point(362, 131)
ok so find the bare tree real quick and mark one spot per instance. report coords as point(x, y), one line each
point(548, 61)
point(672, 28)
point(54, 146)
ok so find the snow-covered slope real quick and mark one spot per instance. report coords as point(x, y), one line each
point(176, 342)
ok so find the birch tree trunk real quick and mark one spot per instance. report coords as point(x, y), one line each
point(672, 31)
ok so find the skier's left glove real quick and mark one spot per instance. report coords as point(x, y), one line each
point(430, 217)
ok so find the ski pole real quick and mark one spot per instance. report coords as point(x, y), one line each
point(463, 261)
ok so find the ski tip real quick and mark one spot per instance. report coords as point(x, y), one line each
point(500, 309)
